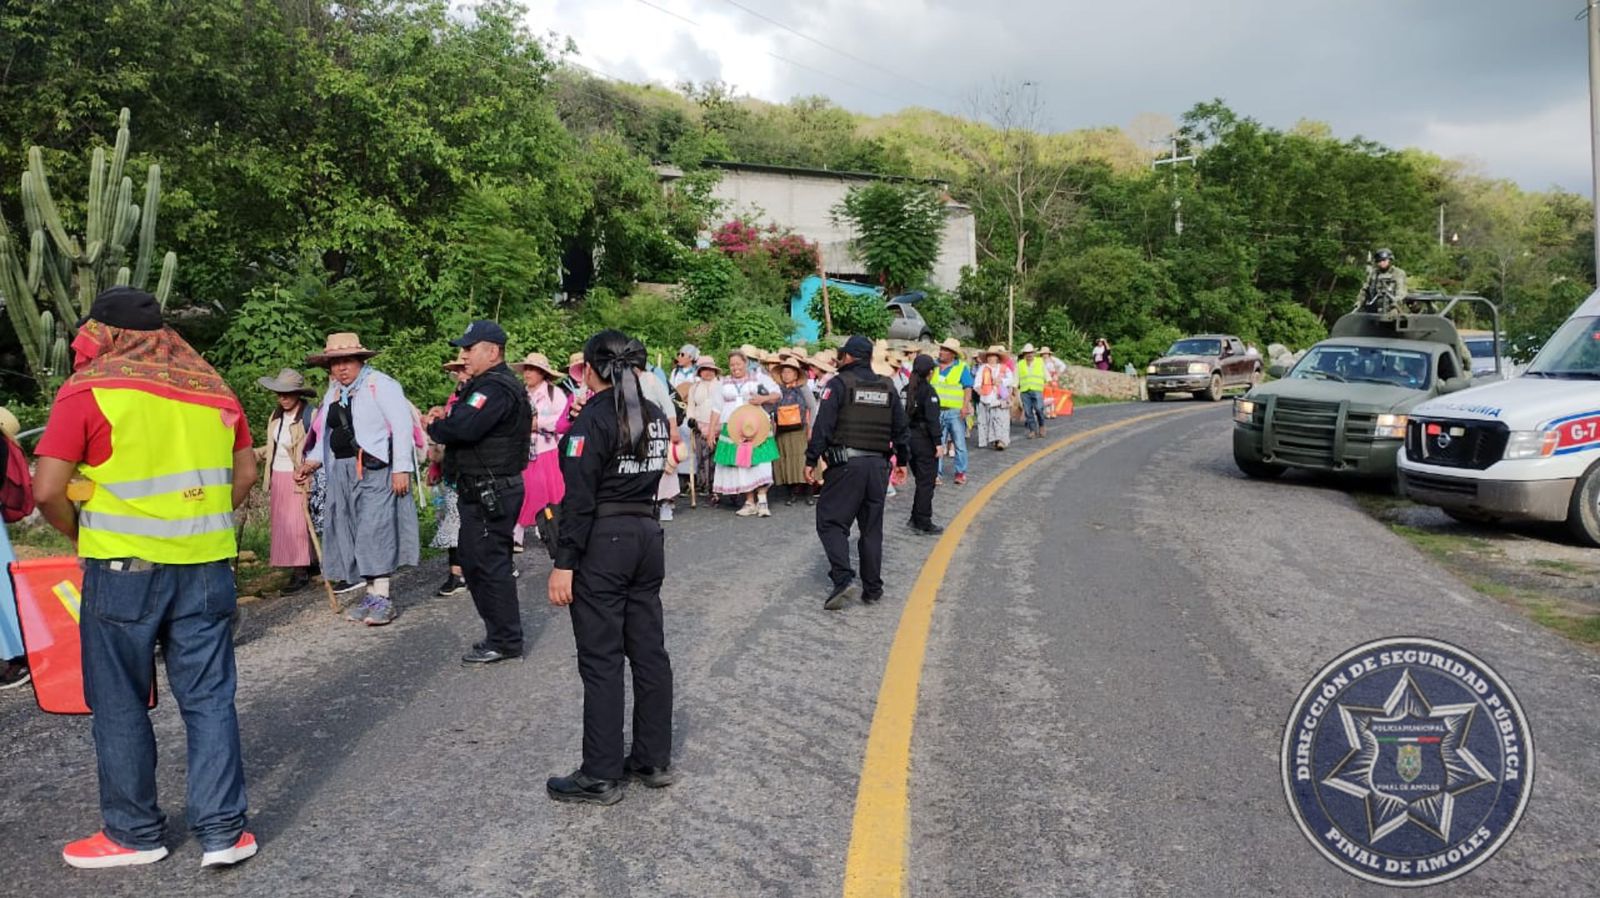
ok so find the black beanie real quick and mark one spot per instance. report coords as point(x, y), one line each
point(127, 308)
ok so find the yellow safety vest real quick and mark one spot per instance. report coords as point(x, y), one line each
point(166, 493)
point(948, 386)
point(1030, 375)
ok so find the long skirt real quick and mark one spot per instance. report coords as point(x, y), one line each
point(790, 468)
point(447, 511)
point(705, 464)
point(994, 425)
point(732, 478)
point(291, 534)
point(371, 532)
point(541, 485)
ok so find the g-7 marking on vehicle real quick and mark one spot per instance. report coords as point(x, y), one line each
point(1578, 432)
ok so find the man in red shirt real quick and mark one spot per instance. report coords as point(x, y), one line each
point(155, 538)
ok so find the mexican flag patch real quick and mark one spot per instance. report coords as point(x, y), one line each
point(476, 400)
point(574, 447)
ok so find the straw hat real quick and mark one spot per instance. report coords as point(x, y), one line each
point(683, 389)
point(952, 344)
point(574, 361)
point(537, 360)
point(1027, 349)
point(1046, 351)
point(340, 346)
point(705, 362)
point(998, 350)
point(288, 381)
point(785, 360)
point(751, 353)
point(9, 425)
point(459, 363)
point(749, 424)
point(821, 363)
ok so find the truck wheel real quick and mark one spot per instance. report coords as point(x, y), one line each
point(1154, 397)
point(1255, 375)
point(1258, 470)
point(925, 337)
point(1214, 392)
point(1583, 512)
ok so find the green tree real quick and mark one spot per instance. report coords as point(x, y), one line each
point(897, 229)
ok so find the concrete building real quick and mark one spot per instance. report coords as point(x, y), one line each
point(803, 199)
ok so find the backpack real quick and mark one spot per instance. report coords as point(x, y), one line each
point(16, 487)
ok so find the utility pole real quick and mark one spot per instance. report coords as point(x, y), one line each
point(1173, 160)
point(1593, 11)
point(1441, 225)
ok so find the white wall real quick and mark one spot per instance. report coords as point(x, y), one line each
point(804, 203)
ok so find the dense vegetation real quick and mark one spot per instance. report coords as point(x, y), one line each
point(396, 168)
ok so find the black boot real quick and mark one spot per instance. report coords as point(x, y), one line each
point(580, 787)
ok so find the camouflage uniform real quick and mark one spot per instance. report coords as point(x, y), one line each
point(1383, 291)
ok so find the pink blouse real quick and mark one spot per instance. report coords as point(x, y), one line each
point(550, 419)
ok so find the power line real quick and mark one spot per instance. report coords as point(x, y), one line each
point(826, 46)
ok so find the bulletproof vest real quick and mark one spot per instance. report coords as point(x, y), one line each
point(866, 417)
point(503, 451)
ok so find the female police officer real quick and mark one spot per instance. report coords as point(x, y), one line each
point(608, 567)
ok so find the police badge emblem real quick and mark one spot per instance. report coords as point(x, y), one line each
point(1407, 762)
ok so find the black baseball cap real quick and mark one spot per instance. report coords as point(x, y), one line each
point(127, 308)
point(858, 347)
point(481, 331)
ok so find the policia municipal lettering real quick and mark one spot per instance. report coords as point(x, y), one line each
point(859, 421)
point(486, 436)
point(609, 566)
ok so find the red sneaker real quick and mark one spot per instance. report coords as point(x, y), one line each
point(98, 852)
point(961, 479)
point(244, 849)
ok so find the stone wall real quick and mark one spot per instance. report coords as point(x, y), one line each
point(1094, 382)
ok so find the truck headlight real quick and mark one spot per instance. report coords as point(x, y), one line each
point(1199, 368)
point(1531, 443)
point(1150, 369)
point(1244, 411)
point(1390, 427)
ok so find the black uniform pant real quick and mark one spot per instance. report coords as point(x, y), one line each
point(925, 468)
point(616, 614)
point(485, 555)
point(854, 492)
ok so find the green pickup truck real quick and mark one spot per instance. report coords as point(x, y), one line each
point(1342, 408)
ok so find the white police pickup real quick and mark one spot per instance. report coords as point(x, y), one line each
point(1527, 448)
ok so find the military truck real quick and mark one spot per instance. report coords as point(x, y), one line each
point(1343, 407)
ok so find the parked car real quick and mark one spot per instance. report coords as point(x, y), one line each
point(907, 323)
point(1207, 365)
point(1343, 406)
point(1526, 448)
point(1482, 346)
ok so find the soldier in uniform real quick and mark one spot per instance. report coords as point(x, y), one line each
point(1385, 287)
point(860, 421)
point(609, 565)
point(486, 435)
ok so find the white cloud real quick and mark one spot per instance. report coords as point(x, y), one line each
point(1545, 147)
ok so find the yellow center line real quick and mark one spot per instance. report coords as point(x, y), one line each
point(876, 863)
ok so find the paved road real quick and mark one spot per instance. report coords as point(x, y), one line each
point(1112, 658)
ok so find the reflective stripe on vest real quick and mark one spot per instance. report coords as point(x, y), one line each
point(948, 386)
point(1030, 375)
point(166, 493)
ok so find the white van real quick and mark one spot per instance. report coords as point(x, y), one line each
point(1526, 448)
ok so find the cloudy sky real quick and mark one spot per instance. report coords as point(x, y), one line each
point(1502, 82)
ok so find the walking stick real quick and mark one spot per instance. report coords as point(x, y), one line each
point(316, 545)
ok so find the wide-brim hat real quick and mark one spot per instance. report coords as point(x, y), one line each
point(684, 388)
point(1045, 350)
point(288, 382)
point(996, 349)
point(705, 362)
point(459, 363)
point(1027, 349)
point(749, 424)
point(574, 361)
point(821, 363)
point(950, 343)
point(537, 360)
point(340, 346)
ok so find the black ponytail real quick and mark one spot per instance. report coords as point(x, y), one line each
point(616, 358)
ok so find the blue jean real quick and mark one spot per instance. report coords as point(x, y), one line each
point(127, 607)
point(952, 429)
point(1033, 410)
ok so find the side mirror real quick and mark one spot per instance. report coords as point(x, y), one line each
point(1224, 353)
point(1276, 370)
point(1454, 384)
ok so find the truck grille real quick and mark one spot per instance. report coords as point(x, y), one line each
point(1171, 368)
point(1466, 444)
point(1306, 433)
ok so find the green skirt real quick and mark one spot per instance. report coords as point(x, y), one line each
point(728, 451)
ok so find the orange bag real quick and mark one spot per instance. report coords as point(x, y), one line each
point(789, 417)
point(49, 595)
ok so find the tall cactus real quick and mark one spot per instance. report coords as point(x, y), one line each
point(65, 273)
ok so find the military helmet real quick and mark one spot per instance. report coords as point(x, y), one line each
point(1385, 255)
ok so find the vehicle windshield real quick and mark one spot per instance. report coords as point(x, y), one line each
point(1196, 347)
point(1573, 352)
point(1480, 347)
point(1365, 364)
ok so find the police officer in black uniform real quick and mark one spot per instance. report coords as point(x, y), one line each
point(609, 566)
point(922, 409)
point(487, 436)
point(860, 420)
